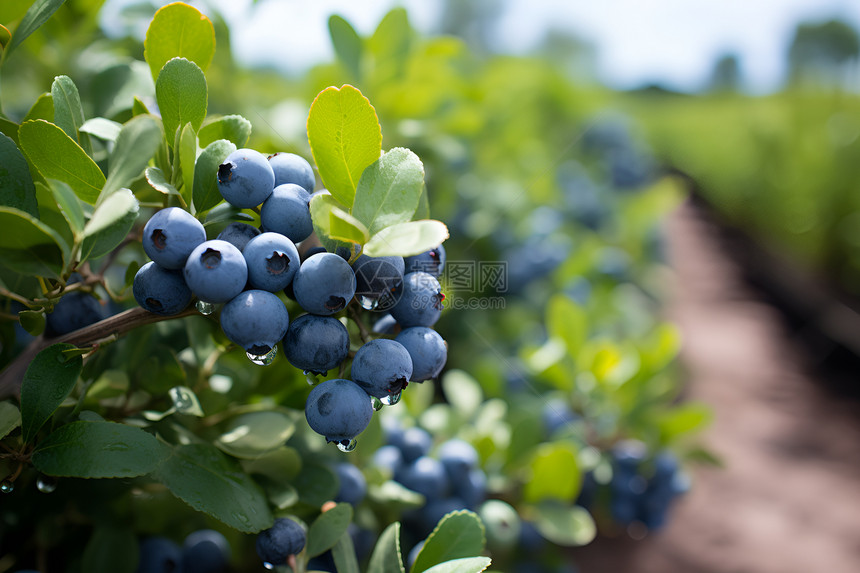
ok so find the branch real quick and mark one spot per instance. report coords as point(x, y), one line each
point(111, 327)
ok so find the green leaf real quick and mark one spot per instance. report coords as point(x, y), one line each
point(345, 138)
point(253, 434)
point(683, 420)
point(69, 205)
point(423, 210)
point(187, 154)
point(206, 194)
point(407, 239)
point(391, 40)
point(42, 108)
point(464, 565)
point(16, 184)
point(459, 534)
point(233, 128)
point(386, 557)
point(68, 111)
point(392, 494)
point(33, 321)
point(99, 450)
point(332, 221)
point(104, 129)
point(344, 557)
point(138, 107)
point(568, 322)
point(5, 37)
point(316, 484)
point(156, 179)
point(208, 481)
point(554, 474)
point(566, 525)
point(282, 463)
point(182, 96)
point(10, 418)
point(463, 392)
point(389, 190)
point(347, 44)
point(137, 142)
point(30, 247)
point(9, 129)
point(110, 224)
point(57, 156)
point(225, 212)
point(178, 30)
point(37, 15)
point(326, 529)
point(111, 549)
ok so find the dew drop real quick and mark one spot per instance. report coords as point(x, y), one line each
point(368, 303)
point(268, 565)
point(46, 484)
point(391, 399)
point(376, 403)
point(347, 445)
point(205, 308)
point(263, 359)
point(8, 487)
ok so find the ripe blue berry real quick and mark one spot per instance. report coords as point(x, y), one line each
point(413, 442)
point(272, 261)
point(473, 489)
point(157, 555)
point(75, 310)
point(245, 179)
point(431, 262)
point(324, 284)
point(426, 476)
point(159, 290)
point(353, 486)
point(458, 458)
point(382, 367)
point(428, 351)
point(387, 325)
point(292, 168)
point(284, 538)
point(557, 414)
point(205, 551)
point(216, 271)
point(316, 343)
point(418, 300)
point(287, 211)
point(338, 410)
point(170, 235)
point(388, 458)
point(256, 320)
point(377, 276)
point(238, 234)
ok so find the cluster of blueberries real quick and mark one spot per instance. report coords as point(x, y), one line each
point(449, 481)
point(244, 267)
point(203, 551)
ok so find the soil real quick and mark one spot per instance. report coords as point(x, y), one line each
point(788, 497)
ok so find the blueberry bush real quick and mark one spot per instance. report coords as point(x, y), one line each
point(203, 313)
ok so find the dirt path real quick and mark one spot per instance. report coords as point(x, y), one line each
point(788, 499)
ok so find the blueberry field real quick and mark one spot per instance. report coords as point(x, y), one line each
point(405, 311)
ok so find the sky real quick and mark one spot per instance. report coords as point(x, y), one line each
point(672, 42)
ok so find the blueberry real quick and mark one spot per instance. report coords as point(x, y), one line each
point(530, 540)
point(458, 457)
point(284, 538)
point(324, 284)
point(588, 492)
point(216, 271)
point(338, 409)
point(473, 489)
point(388, 458)
point(386, 325)
point(413, 443)
point(287, 211)
point(556, 415)
point(418, 300)
point(353, 486)
point(426, 476)
point(311, 252)
point(75, 310)
point(428, 351)
point(623, 508)
point(433, 512)
point(238, 234)
point(159, 290)
point(292, 168)
point(377, 276)
point(413, 553)
point(272, 261)
point(431, 262)
point(382, 367)
point(316, 343)
point(362, 540)
point(246, 178)
point(205, 551)
point(256, 320)
point(170, 235)
point(158, 555)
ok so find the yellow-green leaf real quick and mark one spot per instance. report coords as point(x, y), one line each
point(179, 30)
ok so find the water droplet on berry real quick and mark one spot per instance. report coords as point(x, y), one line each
point(205, 308)
point(347, 445)
point(368, 303)
point(376, 403)
point(263, 359)
point(268, 565)
point(8, 487)
point(391, 399)
point(46, 484)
